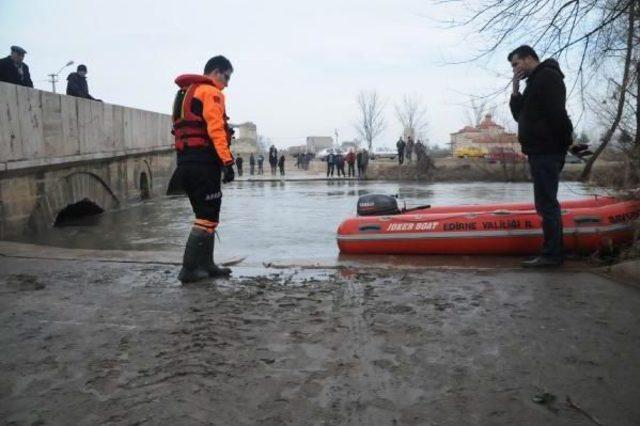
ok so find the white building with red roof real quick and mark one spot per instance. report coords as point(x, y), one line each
point(487, 135)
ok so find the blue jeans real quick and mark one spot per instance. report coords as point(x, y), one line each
point(545, 171)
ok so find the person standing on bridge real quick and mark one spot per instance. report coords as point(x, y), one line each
point(545, 134)
point(14, 70)
point(77, 84)
point(202, 141)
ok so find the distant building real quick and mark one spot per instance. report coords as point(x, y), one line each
point(486, 135)
point(245, 139)
point(318, 143)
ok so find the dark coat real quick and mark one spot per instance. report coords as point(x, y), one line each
point(273, 156)
point(77, 86)
point(544, 126)
point(10, 74)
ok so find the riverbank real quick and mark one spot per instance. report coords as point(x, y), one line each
point(88, 342)
point(452, 169)
point(449, 169)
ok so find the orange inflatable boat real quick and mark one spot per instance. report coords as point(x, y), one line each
point(381, 228)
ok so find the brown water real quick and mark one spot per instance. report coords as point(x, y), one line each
point(272, 221)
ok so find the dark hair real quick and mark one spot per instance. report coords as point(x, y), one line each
point(219, 63)
point(82, 68)
point(522, 52)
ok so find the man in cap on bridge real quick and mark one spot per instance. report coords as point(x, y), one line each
point(14, 70)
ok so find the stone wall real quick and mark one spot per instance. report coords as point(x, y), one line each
point(41, 128)
point(57, 150)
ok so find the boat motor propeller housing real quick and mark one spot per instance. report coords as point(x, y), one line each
point(377, 205)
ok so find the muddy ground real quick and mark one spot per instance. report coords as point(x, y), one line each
point(107, 343)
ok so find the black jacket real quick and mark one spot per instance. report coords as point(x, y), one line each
point(77, 86)
point(543, 124)
point(10, 74)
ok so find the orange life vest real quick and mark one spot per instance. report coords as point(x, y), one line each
point(189, 127)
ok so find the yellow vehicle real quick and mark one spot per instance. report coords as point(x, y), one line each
point(470, 152)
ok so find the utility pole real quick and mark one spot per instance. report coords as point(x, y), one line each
point(53, 78)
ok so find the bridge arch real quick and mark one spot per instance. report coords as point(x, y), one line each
point(75, 193)
point(142, 179)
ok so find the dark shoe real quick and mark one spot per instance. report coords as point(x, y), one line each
point(193, 268)
point(214, 270)
point(542, 262)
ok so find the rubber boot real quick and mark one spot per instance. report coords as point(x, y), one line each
point(214, 270)
point(194, 267)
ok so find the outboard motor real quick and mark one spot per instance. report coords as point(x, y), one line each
point(377, 205)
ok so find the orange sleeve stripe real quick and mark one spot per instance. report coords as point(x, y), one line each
point(207, 230)
point(213, 112)
point(206, 223)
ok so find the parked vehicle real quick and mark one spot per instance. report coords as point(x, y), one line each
point(470, 152)
point(324, 153)
point(496, 155)
point(572, 159)
point(383, 152)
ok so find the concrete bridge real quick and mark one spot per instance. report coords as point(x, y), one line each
point(62, 156)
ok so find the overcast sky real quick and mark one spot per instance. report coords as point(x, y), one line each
point(298, 65)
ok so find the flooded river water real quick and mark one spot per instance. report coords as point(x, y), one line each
point(272, 221)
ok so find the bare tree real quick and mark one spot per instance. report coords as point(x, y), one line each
point(264, 143)
point(621, 96)
point(478, 107)
point(412, 115)
point(371, 121)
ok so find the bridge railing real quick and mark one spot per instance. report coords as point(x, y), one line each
point(39, 128)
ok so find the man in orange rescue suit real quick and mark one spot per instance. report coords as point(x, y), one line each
point(202, 139)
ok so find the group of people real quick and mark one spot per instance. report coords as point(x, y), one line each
point(337, 161)
point(259, 161)
point(13, 70)
point(408, 148)
point(303, 159)
point(253, 161)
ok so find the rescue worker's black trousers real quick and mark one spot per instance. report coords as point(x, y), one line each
point(201, 182)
